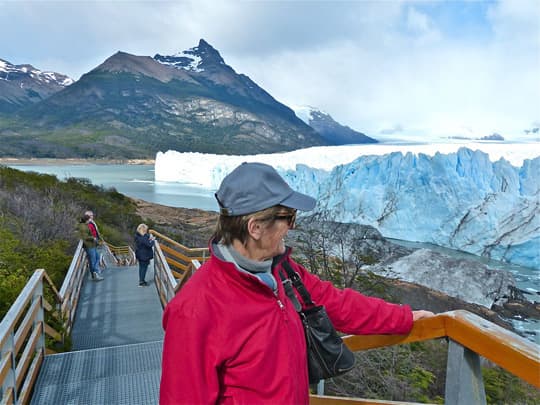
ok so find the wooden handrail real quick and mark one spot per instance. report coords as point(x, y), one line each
point(121, 255)
point(166, 283)
point(175, 243)
point(23, 328)
point(22, 341)
point(505, 348)
point(169, 281)
point(173, 261)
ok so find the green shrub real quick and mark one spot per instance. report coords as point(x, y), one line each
point(505, 388)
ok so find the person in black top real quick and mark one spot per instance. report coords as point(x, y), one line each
point(144, 251)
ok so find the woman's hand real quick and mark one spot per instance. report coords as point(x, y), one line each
point(421, 314)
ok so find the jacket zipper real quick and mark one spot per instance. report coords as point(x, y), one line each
point(281, 306)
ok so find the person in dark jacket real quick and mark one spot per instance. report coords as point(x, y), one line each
point(144, 251)
point(232, 329)
point(90, 244)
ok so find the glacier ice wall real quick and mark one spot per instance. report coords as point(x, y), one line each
point(460, 200)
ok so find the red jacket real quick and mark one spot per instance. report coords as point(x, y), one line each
point(230, 339)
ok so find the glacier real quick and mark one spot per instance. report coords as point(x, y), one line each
point(485, 202)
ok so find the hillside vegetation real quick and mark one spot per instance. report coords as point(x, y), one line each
point(38, 218)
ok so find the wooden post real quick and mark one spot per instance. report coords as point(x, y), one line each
point(464, 381)
point(40, 318)
point(7, 353)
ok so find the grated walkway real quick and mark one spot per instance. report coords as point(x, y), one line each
point(117, 340)
point(113, 375)
point(116, 311)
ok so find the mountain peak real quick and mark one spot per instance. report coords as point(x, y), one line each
point(306, 112)
point(194, 59)
point(333, 132)
point(23, 85)
point(10, 72)
point(203, 45)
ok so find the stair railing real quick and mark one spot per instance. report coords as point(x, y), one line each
point(470, 337)
point(119, 255)
point(24, 328)
point(173, 265)
point(166, 284)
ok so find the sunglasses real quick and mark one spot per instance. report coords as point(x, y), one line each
point(290, 218)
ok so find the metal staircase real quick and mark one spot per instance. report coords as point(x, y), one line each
point(116, 343)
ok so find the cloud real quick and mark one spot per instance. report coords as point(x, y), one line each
point(371, 65)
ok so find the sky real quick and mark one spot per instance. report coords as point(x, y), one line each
point(387, 68)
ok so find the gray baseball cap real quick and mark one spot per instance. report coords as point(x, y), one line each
point(253, 187)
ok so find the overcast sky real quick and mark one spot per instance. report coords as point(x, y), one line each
point(460, 67)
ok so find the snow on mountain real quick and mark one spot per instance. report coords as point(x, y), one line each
point(304, 112)
point(9, 72)
point(332, 132)
point(443, 132)
point(484, 201)
point(187, 60)
point(194, 59)
point(24, 85)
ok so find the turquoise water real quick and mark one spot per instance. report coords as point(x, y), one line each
point(137, 181)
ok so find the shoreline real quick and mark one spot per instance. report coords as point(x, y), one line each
point(73, 161)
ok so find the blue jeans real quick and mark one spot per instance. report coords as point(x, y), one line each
point(93, 259)
point(143, 266)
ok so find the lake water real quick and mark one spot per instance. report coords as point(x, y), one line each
point(137, 181)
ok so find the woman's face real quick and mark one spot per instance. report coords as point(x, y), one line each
point(272, 240)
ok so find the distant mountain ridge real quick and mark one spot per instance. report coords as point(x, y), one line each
point(332, 132)
point(22, 85)
point(134, 106)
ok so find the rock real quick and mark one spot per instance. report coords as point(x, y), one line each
point(465, 279)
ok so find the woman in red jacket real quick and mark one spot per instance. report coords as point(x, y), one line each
point(231, 333)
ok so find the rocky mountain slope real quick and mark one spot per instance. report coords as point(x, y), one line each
point(24, 85)
point(134, 106)
point(332, 132)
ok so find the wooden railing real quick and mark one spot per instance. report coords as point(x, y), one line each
point(173, 265)
point(166, 284)
point(120, 255)
point(23, 329)
point(28, 321)
point(470, 337)
point(71, 287)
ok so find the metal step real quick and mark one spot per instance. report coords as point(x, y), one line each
point(128, 374)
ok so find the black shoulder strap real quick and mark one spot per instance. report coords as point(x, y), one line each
point(297, 283)
point(287, 285)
